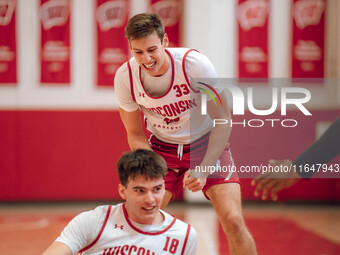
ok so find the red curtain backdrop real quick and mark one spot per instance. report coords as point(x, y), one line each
point(252, 20)
point(55, 41)
point(308, 38)
point(112, 46)
point(8, 54)
point(171, 13)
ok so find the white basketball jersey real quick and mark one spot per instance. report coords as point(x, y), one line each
point(176, 116)
point(117, 235)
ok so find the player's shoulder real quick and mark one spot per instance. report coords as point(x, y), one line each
point(194, 57)
point(121, 75)
point(98, 215)
point(91, 217)
point(185, 225)
point(185, 230)
point(179, 52)
point(101, 210)
point(122, 70)
point(177, 223)
point(198, 64)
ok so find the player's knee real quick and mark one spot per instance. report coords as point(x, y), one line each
point(233, 224)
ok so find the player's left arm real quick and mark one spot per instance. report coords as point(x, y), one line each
point(218, 140)
point(219, 136)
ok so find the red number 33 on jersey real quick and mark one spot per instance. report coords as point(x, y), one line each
point(181, 90)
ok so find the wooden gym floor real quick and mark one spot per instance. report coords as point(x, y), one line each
point(28, 228)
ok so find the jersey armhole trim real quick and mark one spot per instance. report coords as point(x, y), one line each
point(100, 232)
point(131, 81)
point(186, 239)
point(184, 71)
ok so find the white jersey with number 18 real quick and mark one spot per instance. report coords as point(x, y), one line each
point(107, 230)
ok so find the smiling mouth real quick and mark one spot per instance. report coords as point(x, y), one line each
point(150, 66)
point(149, 209)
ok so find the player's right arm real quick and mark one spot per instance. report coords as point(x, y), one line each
point(129, 110)
point(79, 232)
point(134, 128)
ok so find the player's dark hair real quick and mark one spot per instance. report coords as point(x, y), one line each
point(140, 162)
point(143, 25)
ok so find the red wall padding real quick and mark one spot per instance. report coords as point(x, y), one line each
point(60, 154)
point(71, 155)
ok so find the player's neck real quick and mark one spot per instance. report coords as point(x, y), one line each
point(165, 66)
point(157, 220)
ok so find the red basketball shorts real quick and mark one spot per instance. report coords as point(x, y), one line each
point(181, 158)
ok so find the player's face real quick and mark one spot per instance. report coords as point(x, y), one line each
point(143, 199)
point(150, 54)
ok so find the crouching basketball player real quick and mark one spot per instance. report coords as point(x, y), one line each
point(137, 226)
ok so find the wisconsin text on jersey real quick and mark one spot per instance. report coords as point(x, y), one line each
point(172, 110)
point(128, 249)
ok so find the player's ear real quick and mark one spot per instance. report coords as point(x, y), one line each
point(165, 40)
point(122, 191)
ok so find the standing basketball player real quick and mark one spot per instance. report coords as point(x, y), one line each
point(137, 226)
point(156, 81)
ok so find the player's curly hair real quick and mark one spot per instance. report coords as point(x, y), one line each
point(140, 162)
point(144, 24)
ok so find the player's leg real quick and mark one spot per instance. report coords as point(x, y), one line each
point(173, 181)
point(226, 200)
point(166, 199)
point(174, 177)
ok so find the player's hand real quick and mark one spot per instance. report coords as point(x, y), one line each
point(193, 184)
point(274, 182)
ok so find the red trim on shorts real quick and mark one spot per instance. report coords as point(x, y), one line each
point(184, 72)
point(100, 232)
point(186, 239)
point(131, 81)
point(191, 153)
point(143, 232)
